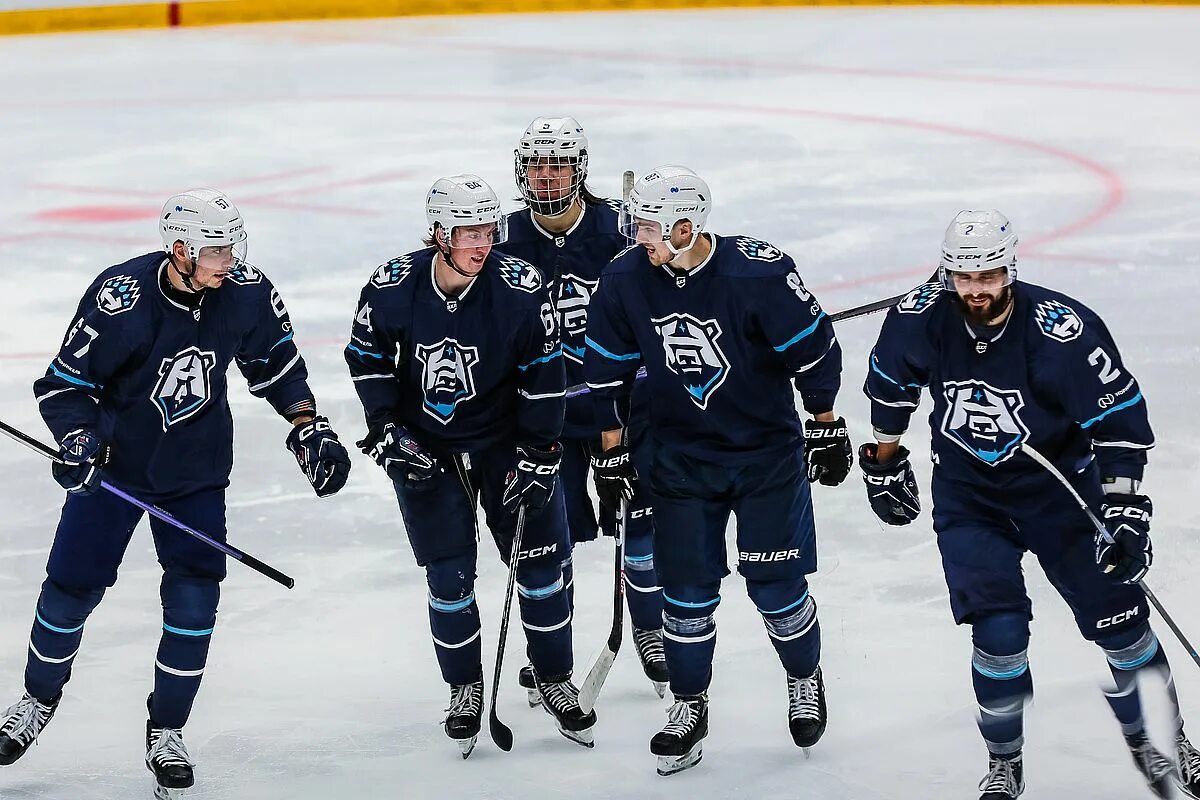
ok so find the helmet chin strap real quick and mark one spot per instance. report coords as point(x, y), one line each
point(676, 253)
point(447, 255)
point(186, 277)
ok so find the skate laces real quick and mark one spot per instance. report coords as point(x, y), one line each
point(649, 645)
point(561, 694)
point(466, 700)
point(1001, 777)
point(680, 717)
point(803, 698)
point(1189, 759)
point(167, 748)
point(25, 719)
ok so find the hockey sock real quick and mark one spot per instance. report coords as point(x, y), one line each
point(54, 640)
point(454, 618)
point(1128, 654)
point(1003, 683)
point(189, 616)
point(690, 636)
point(790, 615)
point(642, 592)
point(546, 616)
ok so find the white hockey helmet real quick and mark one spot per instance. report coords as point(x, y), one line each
point(465, 201)
point(660, 199)
point(978, 241)
point(202, 218)
point(551, 141)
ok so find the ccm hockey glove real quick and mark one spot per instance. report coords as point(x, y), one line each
point(891, 487)
point(320, 455)
point(531, 482)
point(402, 457)
point(1125, 553)
point(82, 455)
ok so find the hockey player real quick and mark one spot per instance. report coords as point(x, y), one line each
point(138, 391)
point(724, 326)
point(456, 357)
point(570, 235)
point(1011, 365)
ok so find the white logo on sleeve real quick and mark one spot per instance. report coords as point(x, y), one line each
point(1058, 321)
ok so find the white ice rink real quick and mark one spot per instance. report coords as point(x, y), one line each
point(849, 137)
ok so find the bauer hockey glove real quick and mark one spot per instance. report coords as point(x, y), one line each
point(81, 455)
point(827, 451)
point(614, 475)
point(531, 482)
point(891, 487)
point(322, 458)
point(402, 457)
point(1125, 553)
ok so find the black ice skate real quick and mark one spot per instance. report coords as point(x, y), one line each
point(1188, 760)
point(167, 757)
point(23, 723)
point(560, 698)
point(806, 709)
point(464, 714)
point(649, 646)
point(529, 684)
point(680, 745)
point(1156, 768)
point(1005, 779)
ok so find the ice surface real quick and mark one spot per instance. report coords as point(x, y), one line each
point(848, 136)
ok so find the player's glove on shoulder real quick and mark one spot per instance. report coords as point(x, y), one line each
point(827, 451)
point(321, 456)
point(531, 482)
point(402, 457)
point(891, 487)
point(614, 475)
point(1125, 553)
point(82, 455)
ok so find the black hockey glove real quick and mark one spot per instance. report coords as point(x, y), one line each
point(1126, 553)
point(614, 475)
point(531, 482)
point(402, 457)
point(322, 458)
point(891, 487)
point(827, 451)
point(82, 456)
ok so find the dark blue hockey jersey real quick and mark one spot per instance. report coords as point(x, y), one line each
point(461, 373)
point(572, 262)
point(720, 344)
point(149, 374)
point(1051, 377)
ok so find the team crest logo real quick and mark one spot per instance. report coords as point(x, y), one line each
point(1058, 321)
point(118, 295)
point(574, 294)
point(520, 275)
point(693, 354)
point(244, 274)
point(447, 377)
point(393, 272)
point(758, 251)
point(184, 385)
point(920, 298)
point(984, 420)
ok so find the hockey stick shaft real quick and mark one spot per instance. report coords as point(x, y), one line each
point(155, 511)
point(1104, 532)
point(501, 734)
point(589, 690)
point(839, 316)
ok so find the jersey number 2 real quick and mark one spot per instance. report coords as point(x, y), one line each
point(1108, 373)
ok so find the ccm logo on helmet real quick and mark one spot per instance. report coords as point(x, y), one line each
point(1117, 619)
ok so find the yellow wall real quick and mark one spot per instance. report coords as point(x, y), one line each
point(221, 12)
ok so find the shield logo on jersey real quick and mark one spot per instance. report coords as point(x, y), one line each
point(184, 385)
point(446, 377)
point(693, 354)
point(117, 295)
point(1058, 321)
point(574, 294)
point(984, 421)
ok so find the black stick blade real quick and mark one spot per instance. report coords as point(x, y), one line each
point(501, 734)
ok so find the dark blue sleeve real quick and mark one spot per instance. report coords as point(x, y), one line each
point(611, 361)
point(268, 358)
point(797, 328)
point(541, 377)
point(372, 356)
point(896, 373)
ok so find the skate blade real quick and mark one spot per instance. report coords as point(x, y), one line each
point(669, 765)
point(660, 689)
point(584, 738)
point(163, 793)
point(807, 755)
point(1188, 791)
point(466, 746)
point(533, 697)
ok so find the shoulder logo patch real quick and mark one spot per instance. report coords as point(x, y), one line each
point(757, 250)
point(1058, 321)
point(519, 274)
point(920, 298)
point(118, 294)
point(393, 272)
point(244, 274)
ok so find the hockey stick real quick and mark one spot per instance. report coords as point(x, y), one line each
point(155, 511)
point(839, 316)
point(501, 734)
point(589, 690)
point(1103, 531)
